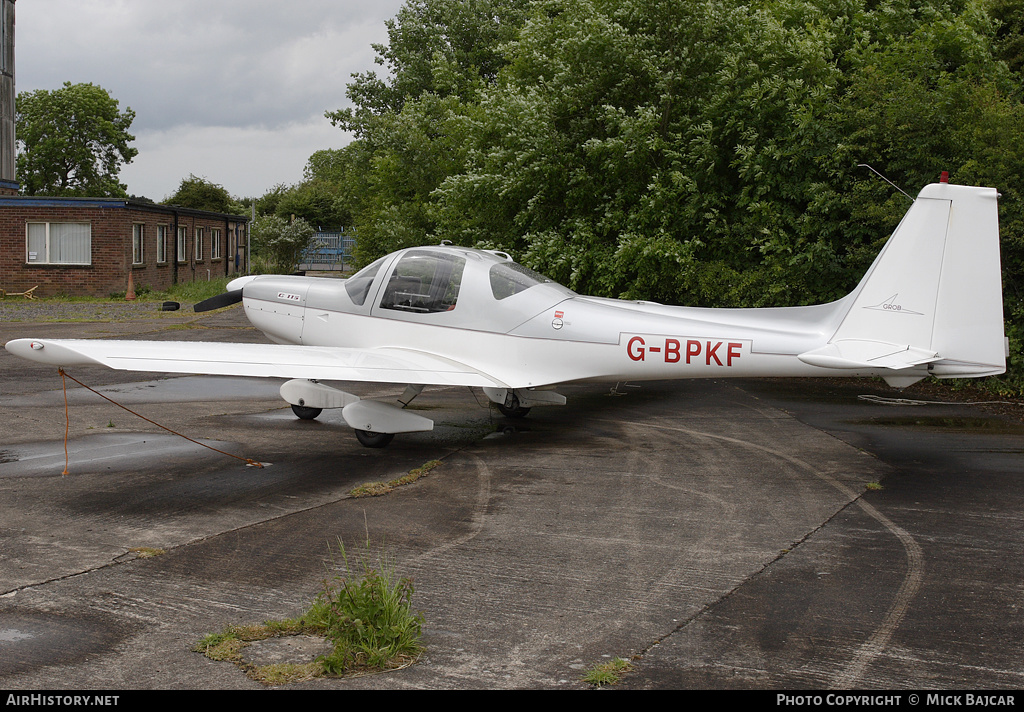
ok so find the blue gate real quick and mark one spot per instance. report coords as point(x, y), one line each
point(329, 251)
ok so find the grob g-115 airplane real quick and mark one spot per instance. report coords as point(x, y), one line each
point(930, 305)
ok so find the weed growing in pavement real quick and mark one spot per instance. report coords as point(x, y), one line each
point(609, 673)
point(376, 489)
point(364, 611)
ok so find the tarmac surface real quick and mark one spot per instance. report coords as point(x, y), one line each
point(760, 535)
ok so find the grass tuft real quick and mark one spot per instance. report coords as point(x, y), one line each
point(365, 612)
point(376, 489)
point(609, 673)
point(147, 552)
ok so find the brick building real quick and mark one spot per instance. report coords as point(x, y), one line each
point(89, 246)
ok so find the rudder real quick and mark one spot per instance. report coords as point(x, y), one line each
point(931, 303)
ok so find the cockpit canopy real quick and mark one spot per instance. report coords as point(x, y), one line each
point(508, 278)
point(424, 282)
point(457, 286)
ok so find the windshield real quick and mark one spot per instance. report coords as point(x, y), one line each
point(358, 285)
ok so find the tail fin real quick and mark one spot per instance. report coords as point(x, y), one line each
point(932, 302)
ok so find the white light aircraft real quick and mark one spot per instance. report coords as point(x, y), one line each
point(930, 305)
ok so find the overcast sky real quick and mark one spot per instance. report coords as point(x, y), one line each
point(230, 90)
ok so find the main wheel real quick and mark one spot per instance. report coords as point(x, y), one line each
point(512, 409)
point(305, 413)
point(368, 438)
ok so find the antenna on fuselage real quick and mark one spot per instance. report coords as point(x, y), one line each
point(865, 165)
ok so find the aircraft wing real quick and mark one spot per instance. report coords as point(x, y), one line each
point(383, 365)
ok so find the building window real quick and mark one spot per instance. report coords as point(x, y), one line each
point(59, 243)
point(137, 244)
point(182, 237)
point(198, 254)
point(214, 243)
point(161, 243)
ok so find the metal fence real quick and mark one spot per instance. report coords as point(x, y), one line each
point(329, 251)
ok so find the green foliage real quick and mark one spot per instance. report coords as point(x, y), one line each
point(191, 292)
point(441, 47)
point(706, 153)
point(328, 194)
point(318, 202)
point(202, 194)
point(72, 142)
point(1010, 34)
point(280, 243)
point(366, 612)
point(609, 673)
point(413, 129)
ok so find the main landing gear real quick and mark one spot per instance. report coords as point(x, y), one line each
point(517, 402)
point(511, 407)
point(306, 413)
point(375, 422)
point(368, 438)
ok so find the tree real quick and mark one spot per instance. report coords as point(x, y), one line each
point(442, 47)
point(706, 153)
point(202, 194)
point(279, 244)
point(411, 127)
point(72, 141)
point(1010, 35)
point(326, 196)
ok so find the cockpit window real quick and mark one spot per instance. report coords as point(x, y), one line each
point(358, 285)
point(508, 278)
point(424, 282)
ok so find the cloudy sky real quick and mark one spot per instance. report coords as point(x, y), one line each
point(230, 90)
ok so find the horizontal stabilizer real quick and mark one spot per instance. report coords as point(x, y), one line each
point(859, 354)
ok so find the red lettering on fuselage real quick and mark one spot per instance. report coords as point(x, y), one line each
point(711, 353)
point(671, 350)
point(692, 349)
point(635, 348)
point(732, 353)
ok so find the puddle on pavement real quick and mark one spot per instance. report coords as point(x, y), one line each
point(992, 426)
point(31, 640)
point(183, 389)
point(104, 453)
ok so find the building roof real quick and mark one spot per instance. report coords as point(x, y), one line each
point(114, 204)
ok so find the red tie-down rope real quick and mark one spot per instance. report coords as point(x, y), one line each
point(67, 423)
